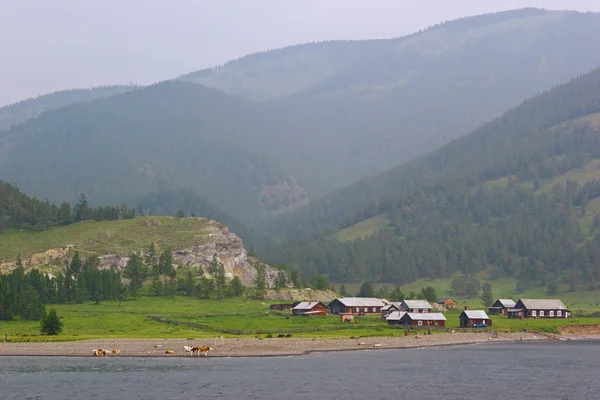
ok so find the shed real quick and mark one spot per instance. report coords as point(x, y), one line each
point(447, 302)
point(501, 306)
point(310, 308)
point(286, 306)
point(357, 305)
point(423, 319)
point(416, 306)
point(474, 318)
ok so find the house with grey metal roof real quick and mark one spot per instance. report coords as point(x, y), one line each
point(309, 308)
point(394, 317)
point(474, 319)
point(416, 306)
point(539, 308)
point(357, 305)
point(501, 306)
point(423, 319)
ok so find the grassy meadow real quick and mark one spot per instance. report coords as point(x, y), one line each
point(234, 317)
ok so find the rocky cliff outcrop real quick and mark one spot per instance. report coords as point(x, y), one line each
point(212, 238)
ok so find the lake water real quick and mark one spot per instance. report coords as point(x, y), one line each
point(547, 370)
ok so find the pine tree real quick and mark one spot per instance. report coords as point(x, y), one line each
point(51, 324)
point(486, 297)
point(237, 287)
point(260, 282)
point(343, 291)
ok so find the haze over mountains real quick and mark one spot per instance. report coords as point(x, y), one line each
point(289, 125)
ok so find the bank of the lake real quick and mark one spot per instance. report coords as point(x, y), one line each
point(243, 347)
point(548, 370)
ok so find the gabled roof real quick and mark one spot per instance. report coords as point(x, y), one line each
point(543, 304)
point(425, 316)
point(395, 316)
point(306, 305)
point(362, 302)
point(391, 305)
point(417, 304)
point(476, 314)
point(506, 303)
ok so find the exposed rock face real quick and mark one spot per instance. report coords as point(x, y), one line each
point(230, 252)
point(284, 196)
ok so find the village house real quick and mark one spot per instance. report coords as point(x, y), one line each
point(310, 308)
point(395, 317)
point(423, 319)
point(389, 308)
point(474, 319)
point(415, 306)
point(539, 308)
point(447, 302)
point(501, 306)
point(357, 305)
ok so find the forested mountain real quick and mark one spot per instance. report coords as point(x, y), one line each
point(163, 137)
point(314, 118)
point(356, 108)
point(504, 197)
point(22, 111)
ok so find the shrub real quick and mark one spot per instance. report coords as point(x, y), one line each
point(51, 324)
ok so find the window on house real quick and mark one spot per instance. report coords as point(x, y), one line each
point(374, 309)
point(533, 314)
point(358, 309)
point(541, 313)
point(366, 309)
point(559, 313)
point(551, 313)
point(420, 323)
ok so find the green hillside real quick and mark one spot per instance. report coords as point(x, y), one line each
point(297, 123)
point(107, 237)
point(20, 112)
point(517, 198)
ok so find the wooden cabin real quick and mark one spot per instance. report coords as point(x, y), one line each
point(310, 308)
point(539, 308)
point(357, 305)
point(423, 319)
point(415, 306)
point(447, 302)
point(501, 306)
point(474, 319)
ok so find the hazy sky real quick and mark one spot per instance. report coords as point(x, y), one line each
point(59, 44)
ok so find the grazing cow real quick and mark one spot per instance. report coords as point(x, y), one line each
point(99, 352)
point(201, 349)
point(115, 351)
point(169, 352)
point(188, 349)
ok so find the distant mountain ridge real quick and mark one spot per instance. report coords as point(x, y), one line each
point(20, 112)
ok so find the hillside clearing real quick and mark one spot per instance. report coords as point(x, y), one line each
point(109, 237)
point(363, 229)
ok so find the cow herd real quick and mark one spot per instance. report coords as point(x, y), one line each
point(191, 350)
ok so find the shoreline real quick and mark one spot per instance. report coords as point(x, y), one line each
point(251, 347)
